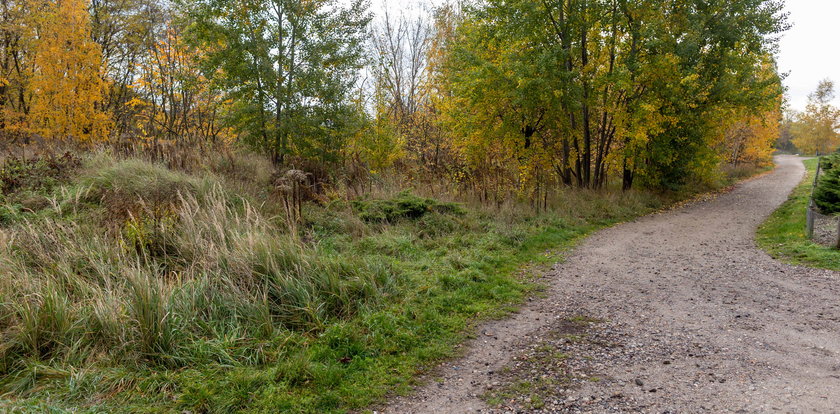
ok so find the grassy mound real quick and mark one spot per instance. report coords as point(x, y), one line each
point(188, 276)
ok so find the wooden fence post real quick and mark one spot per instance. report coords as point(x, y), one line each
point(809, 217)
point(837, 241)
point(816, 175)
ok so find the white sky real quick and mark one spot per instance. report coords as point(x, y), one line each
point(807, 51)
point(409, 7)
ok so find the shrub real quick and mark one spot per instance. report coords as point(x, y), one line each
point(830, 162)
point(827, 192)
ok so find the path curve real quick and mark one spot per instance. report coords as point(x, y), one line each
point(697, 320)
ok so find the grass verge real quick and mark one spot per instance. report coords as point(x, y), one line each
point(783, 235)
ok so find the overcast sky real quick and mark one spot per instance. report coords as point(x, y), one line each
point(405, 6)
point(808, 52)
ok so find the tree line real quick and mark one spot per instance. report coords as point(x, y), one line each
point(500, 98)
point(813, 131)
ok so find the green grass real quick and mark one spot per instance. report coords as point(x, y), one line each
point(783, 234)
point(134, 288)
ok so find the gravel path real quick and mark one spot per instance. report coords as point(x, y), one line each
point(674, 312)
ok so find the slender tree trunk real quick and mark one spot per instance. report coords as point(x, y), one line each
point(587, 131)
point(280, 106)
point(626, 177)
point(565, 171)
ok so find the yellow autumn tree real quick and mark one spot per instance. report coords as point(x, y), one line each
point(749, 140)
point(817, 130)
point(67, 85)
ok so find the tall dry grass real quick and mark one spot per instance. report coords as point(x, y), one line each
point(133, 262)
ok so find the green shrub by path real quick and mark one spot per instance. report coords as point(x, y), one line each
point(831, 161)
point(205, 303)
point(783, 234)
point(827, 191)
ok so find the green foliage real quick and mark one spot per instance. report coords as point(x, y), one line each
point(827, 191)
point(146, 235)
point(403, 205)
point(581, 89)
point(288, 66)
point(830, 162)
point(783, 236)
point(130, 186)
point(9, 213)
point(136, 287)
point(81, 290)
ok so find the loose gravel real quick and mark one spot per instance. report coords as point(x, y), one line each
point(825, 230)
point(674, 312)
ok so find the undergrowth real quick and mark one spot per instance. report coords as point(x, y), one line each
point(136, 288)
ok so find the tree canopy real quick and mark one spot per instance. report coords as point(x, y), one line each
point(815, 131)
point(508, 98)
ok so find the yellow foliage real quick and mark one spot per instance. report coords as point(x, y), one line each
point(67, 85)
point(816, 129)
point(750, 139)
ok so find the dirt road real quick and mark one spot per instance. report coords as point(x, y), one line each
point(675, 312)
